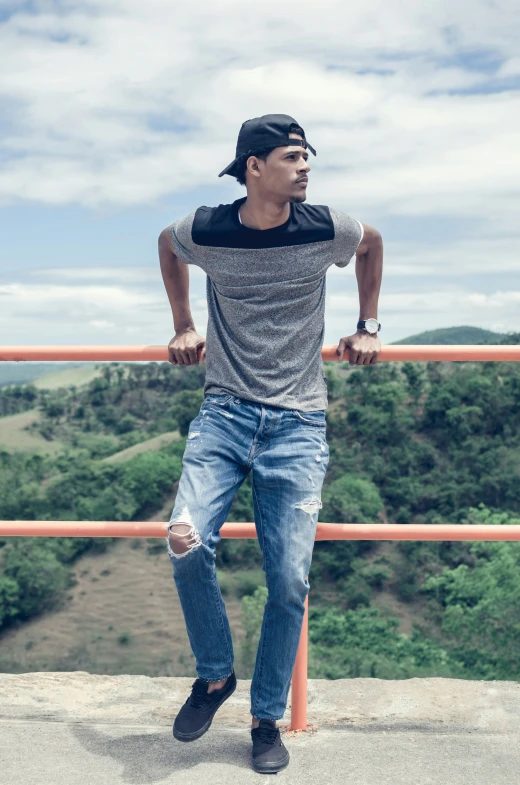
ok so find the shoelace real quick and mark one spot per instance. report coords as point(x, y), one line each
point(199, 694)
point(265, 735)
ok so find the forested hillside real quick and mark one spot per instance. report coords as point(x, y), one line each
point(409, 442)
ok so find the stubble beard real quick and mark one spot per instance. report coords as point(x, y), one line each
point(298, 198)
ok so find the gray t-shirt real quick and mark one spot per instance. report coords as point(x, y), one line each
point(266, 298)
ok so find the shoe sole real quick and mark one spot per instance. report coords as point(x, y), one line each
point(271, 768)
point(197, 734)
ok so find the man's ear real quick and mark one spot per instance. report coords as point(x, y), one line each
point(253, 167)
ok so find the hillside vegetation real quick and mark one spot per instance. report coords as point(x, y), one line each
point(409, 442)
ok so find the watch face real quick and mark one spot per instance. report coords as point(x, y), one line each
point(371, 325)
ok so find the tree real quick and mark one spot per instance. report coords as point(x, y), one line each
point(186, 407)
point(351, 499)
point(35, 578)
point(361, 643)
point(479, 606)
point(252, 614)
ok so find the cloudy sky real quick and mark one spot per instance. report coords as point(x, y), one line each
point(116, 117)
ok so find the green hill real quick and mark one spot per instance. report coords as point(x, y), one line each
point(464, 335)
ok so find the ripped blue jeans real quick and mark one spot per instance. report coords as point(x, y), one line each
point(287, 452)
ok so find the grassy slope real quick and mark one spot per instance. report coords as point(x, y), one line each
point(128, 590)
point(155, 443)
point(67, 378)
point(27, 372)
point(124, 590)
point(14, 436)
point(13, 433)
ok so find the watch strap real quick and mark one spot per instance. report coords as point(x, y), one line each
point(361, 326)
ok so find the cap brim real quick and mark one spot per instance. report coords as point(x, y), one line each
point(229, 169)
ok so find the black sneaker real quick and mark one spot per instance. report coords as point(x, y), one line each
point(197, 714)
point(269, 753)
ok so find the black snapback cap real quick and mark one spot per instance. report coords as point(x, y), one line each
point(270, 130)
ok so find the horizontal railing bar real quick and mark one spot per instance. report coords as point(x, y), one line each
point(501, 353)
point(325, 531)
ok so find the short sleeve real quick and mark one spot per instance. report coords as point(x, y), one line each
point(183, 246)
point(348, 233)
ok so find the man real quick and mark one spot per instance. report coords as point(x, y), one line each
point(265, 395)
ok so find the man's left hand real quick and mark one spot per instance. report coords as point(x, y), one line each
point(363, 348)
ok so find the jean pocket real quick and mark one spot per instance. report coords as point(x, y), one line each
point(316, 418)
point(217, 399)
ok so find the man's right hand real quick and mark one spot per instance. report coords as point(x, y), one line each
point(187, 347)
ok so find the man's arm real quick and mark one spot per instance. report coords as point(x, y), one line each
point(364, 348)
point(182, 349)
point(176, 281)
point(369, 271)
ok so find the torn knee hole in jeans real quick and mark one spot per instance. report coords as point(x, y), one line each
point(311, 505)
point(183, 537)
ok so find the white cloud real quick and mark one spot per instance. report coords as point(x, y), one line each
point(408, 313)
point(29, 297)
point(510, 68)
point(84, 111)
point(124, 275)
point(450, 256)
point(455, 301)
point(139, 313)
point(84, 314)
point(101, 324)
point(126, 103)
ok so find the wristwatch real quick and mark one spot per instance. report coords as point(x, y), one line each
point(372, 326)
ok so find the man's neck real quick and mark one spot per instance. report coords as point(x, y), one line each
point(263, 215)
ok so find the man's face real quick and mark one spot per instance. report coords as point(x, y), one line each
point(283, 176)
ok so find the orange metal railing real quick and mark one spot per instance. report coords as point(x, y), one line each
point(325, 531)
point(160, 353)
point(241, 531)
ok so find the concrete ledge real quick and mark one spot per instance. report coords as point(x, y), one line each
point(74, 728)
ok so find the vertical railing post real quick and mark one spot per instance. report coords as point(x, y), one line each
point(299, 677)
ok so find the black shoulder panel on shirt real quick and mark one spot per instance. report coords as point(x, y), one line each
point(219, 227)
